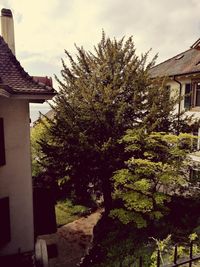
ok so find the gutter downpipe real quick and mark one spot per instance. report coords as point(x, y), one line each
point(179, 102)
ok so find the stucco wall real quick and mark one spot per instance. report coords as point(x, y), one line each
point(15, 176)
point(174, 91)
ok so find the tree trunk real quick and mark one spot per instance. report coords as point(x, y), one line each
point(107, 190)
point(82, 195)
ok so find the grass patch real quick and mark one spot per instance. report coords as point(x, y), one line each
point(67, 212)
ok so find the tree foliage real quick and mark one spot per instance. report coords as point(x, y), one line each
point(38, 132)
point(156, 170)
point(102, 95)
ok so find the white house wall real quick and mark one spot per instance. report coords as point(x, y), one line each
point(174, 92)
point(15, 176)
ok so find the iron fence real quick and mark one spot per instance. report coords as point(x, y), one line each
point(180, 262)
point(176, 260)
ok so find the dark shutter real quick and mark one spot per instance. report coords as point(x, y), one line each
point(2, 144)
point(4, 221)
point(187, 99)
point(197, 102)
point(44, 211)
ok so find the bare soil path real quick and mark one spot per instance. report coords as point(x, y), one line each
point(73, 240)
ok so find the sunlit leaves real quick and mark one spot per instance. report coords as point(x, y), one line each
point(154, 172)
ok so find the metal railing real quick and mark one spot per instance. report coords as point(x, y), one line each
point(176, 260)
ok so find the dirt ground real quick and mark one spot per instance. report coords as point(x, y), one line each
point(73, 240)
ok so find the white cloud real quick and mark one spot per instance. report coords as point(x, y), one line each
point(49, 27)
point(43, 29)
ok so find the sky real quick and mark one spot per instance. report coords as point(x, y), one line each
point(44, 29)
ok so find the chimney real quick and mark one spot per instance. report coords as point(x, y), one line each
point(7, 28)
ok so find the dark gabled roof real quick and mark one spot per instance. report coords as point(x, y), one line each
point(14, 79)
point(187, 62)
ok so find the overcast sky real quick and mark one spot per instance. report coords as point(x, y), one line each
point(43, 29)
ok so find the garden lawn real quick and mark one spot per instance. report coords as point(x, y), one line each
point(67, 212)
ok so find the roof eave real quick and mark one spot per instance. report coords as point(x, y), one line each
point(175, 75)
point(34, 97)
point(4, 93)
point(185, 73)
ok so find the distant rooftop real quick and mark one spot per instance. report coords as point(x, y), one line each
point(187, 62)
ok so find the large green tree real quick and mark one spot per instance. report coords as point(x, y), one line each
point(102, 94)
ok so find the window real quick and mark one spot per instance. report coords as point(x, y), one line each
point(192, 94)
point(2, 144)
point(187, 99)
point(179, 57)
point(197, 94)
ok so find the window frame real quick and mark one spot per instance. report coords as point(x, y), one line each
point(196, 84)
point(190, 99)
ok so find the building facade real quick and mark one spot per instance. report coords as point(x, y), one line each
point(17, 90)
point(181, 75)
